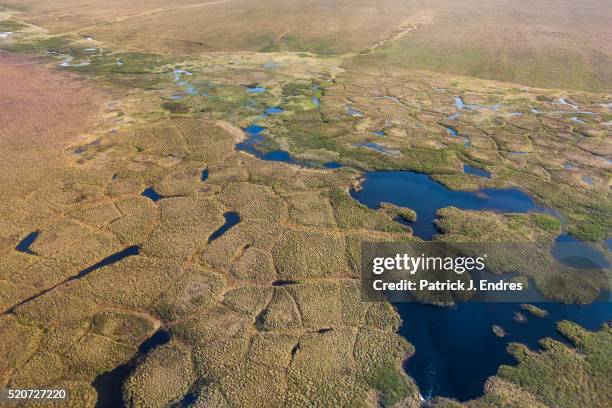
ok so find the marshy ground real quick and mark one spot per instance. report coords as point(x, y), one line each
point(162, 262)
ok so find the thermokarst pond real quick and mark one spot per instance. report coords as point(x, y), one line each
point(24, 244)
point(456, 349)
point(273, 110)
point(426, 196)
point(109, 385)
point(475, 171)
point(255, 89)
point(446, 361)
point(231, 218)
point(151, 194)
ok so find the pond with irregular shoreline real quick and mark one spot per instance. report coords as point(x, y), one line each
point(456, 348)
point(426, 196)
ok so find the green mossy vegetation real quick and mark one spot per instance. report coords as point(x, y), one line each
point(352, 215)
point(392, 385)
point(406, 214)
point(11, 26)
point(565, 376)
point(534, 310)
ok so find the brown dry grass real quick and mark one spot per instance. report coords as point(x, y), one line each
point(190, 26)
point(553, 43)
point(87, 205)
point(41, 109)
point(41, 113)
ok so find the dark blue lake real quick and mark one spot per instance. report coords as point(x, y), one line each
point(277, 155)
point(426, 196)
point(456, 349)
point(378, 148)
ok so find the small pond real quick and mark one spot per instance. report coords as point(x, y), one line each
point(475, 171)
point(231, 218)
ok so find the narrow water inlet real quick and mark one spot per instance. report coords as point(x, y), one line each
point(109, 384)
point(475, 171)
point(24, 244)
point(282, 282)
point(231, 218)
point(111, 259)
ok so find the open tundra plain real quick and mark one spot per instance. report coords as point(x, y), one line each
point(184, 194)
